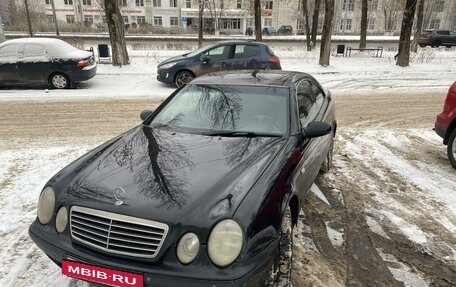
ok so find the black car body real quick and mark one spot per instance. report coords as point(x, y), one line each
point(221, 56)
point(285, 30)
point(437, 38)
point(44, 61)
point(249, 31)
point(170, 177)
point(269, 31)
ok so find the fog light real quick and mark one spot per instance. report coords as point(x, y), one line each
point(61, 220)
point(187, 248)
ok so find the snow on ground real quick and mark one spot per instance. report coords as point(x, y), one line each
point(420, 202)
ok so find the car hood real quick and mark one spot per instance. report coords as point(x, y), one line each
point(171, 177)
point(173, 60)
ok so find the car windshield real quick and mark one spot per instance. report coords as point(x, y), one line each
point(196, 52)
point(228, 110)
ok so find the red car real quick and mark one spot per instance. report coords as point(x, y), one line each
point(445, 124)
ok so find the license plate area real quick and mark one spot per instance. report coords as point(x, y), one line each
point(107, 276)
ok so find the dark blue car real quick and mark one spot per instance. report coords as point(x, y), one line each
point(220, 56)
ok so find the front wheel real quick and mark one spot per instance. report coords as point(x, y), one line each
point(436, 44)
point(452, 148)
point(280, 275)
point(183, 77)
point(59, 81)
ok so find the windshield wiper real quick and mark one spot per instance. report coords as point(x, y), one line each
point(241, 134)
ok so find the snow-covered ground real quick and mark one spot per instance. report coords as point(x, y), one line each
point(397, 178)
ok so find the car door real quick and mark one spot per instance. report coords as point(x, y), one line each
point(311, 107)
point(453, 38)
point(34, 64)
point(216, 59)
point(245, 57)
point(9, 71)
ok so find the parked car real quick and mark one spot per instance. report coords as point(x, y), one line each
point(437, 38)
point(269, 31)
point(205, 192)
point(221, 56)
point(44, 61)
point(249, 31)
point(301, 31)
point(285, 30)
point(445, 124)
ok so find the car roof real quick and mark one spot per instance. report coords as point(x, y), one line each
point(239, 42)
point(47, 41)
point(249, 78)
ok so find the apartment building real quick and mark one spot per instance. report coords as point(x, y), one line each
point(233, 16)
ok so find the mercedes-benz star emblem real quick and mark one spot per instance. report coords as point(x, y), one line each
point(119, 194)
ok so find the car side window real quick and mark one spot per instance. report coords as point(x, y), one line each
point(9, 53)
point(34, 53)
point(245, 51)
point(218, 53)
point(310, 100)
point(446, 33)
point(453, 34)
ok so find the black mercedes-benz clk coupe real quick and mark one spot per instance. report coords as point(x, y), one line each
point(204, 192)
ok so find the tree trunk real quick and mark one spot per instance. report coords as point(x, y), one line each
point(419, 26)
point(325, 49)
point(57, 32)
point(116, 33)
point(305, 13)
point(362, 42)
point(2, 34)
point(200, 24)
point(315, 17)
point(403, 56)
point(29, 22)
point(257, 9)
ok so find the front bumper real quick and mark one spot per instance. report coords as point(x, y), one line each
point(164, 272)
point(442, 122)
point(165, 76)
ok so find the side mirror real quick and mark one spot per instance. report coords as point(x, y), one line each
point(316, 129)
point(145, 114)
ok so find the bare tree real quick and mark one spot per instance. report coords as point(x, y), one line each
point(29, 22)
point(390, 13)
point(362, 42)
point(305, 13)
point(325, 49)
point(403, 56)
point(2, 34)
point(419, 26)
point(55, 18)
point(316, 15)
point(116, 33)
point(257, 9)
point(200, 23)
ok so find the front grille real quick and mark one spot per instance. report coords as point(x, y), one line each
point(116, 233)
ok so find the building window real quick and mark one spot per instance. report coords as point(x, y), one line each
point(435, 24)
point(439, 6)
point(188, 3)
point(268, 4)
point(123, 3)
point(345, 25)
point(173, 21)
point(372, 5)
point(348, 5)
point(141, 19)
point(172, 3)
point(88, 19)
point(140, 3)
point(239, 4)
point(267, 21)
point(68, 2)
point(231, 24)
point(157, 3)
point(87, 2)
point(70, 19)
point(125, 19)
point(47, 2)
point(371, 24)
point(158, 21)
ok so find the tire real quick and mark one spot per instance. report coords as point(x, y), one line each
point(327, 164)
point(451, 148)
point(422, 46)
point(59, 81)
point(280, 275)
point(448, 47)
point(436, 43)
point(183, 77)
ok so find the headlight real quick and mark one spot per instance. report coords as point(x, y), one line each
point(61, 220)
point(188, 248)
point(225, 242)
point(167, 66)
point(46, 204)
